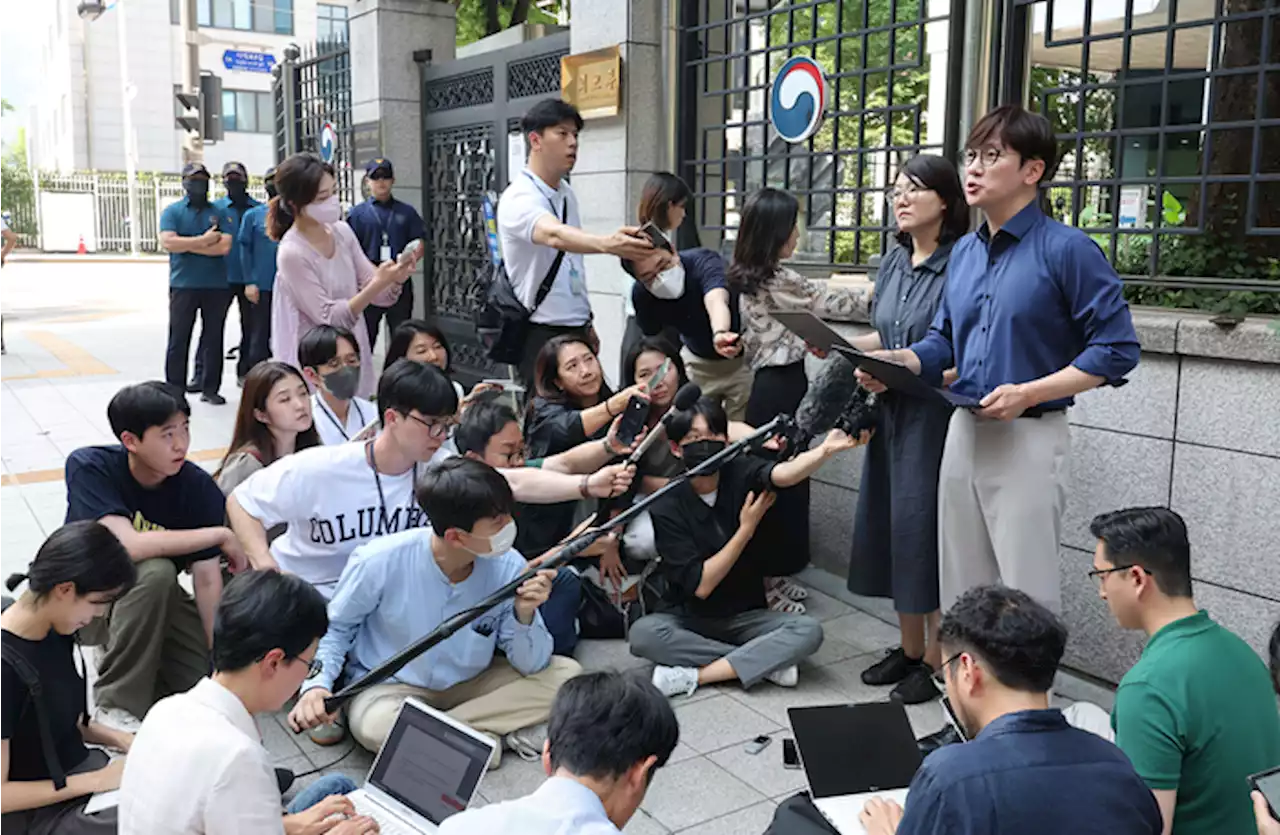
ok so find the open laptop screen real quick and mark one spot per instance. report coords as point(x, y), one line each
point(428, 765)
point(855, 748)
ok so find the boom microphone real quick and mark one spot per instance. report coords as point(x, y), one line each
point(684, 399)
point(834, 401)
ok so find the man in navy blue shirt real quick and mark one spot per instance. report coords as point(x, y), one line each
point(257, 256)
point(235, 205)
point(1025, 770)
point(1032, 315)
point(197, 236)
point(384, 226)
point(687, 293)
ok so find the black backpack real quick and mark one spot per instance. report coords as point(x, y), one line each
point(502, 322)
point(31, 679)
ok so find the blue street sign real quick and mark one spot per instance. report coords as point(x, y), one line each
point(242, 60)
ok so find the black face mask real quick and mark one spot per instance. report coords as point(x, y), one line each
point(197, 191)
point(271, 190)
point(695, 452)
point(237, 191)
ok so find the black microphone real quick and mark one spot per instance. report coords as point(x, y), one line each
point(834, 401)
point(684, 399)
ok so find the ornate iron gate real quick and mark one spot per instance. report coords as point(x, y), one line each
point(471, 113)
point(882, 60)
point(312, 88)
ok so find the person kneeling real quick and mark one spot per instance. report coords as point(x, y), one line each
point(198, 764)
point(713, 622)
point(398, 588)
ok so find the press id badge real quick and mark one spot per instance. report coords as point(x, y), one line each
point(384, 254)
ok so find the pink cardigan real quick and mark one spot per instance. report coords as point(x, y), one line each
point(313, 290)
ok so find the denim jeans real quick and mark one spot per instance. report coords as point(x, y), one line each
point(320, 789)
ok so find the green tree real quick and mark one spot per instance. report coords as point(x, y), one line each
point(17, 192)
point(481, 18)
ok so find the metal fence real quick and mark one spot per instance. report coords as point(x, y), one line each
point(110, 193)
point(312, 89)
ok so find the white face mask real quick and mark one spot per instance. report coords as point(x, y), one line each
point(501, 542)
point(669, 284)
point(328, 210)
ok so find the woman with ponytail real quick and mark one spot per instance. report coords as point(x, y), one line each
point(322, 275)
point(78, 572)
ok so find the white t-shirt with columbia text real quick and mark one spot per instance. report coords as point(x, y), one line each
point(329, 497)
point(526, 200)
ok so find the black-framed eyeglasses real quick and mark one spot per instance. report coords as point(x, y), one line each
point(1098, 573)
point(314, 667)
point(989, 156)
point(951, 660)
point(437, 428)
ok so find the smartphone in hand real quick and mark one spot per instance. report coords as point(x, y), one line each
point(651, 231)
point(633, 418)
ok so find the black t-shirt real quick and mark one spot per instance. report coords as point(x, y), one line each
point(552, 428)
point(688, 532)
point(99, 484)
point(64, 699)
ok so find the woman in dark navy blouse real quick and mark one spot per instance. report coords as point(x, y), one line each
point(895, 538)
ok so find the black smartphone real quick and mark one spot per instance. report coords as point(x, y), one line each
point(633, 418)
point(1268, 782)
point(651, 231)
point(790, 758)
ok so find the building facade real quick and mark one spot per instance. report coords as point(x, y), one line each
point(78, 122)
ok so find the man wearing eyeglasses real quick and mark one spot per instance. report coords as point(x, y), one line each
point(1196, 714)
point(198, 764)
point(1032, 315)
point(384, 227)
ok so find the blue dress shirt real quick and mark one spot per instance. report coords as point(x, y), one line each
point(235, 217)
point(191, 270)
point(1037, 297)
point(560, 806)
point(392, 593)
point(395, 219)
point(255, 251)
point(1030, 772)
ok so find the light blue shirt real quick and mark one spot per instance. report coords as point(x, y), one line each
point(392, 593)
point(560, 806)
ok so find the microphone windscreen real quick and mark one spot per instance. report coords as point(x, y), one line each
point(824, 403)
point(686, 397)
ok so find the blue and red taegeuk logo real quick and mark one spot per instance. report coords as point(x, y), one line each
point(798, 99)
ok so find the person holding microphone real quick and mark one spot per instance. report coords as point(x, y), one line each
point(322, 275)
point(1032, 315)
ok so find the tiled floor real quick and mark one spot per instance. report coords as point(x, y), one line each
point(117, 316)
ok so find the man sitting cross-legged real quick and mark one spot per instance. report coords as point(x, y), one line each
point(398, 588)
point(198, 766)
point(714, 624)
point(168, 514)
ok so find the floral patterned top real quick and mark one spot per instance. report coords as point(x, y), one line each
point(765, 341)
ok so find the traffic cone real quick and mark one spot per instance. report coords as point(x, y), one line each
point(82, 249)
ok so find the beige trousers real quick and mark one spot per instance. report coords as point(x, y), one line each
point(497, 702)
point(728, 381)
point(1001, 492)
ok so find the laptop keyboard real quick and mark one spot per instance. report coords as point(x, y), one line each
point(388, 824)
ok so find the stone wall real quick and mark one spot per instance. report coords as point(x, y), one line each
point(1196, 429)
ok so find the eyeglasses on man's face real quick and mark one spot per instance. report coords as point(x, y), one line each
point(437, 427)
point(1098, 574)
point(989, 156)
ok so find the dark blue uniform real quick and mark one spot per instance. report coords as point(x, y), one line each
point(235, 213)
point(256, 254)
point(197, 283)
point(392, 225)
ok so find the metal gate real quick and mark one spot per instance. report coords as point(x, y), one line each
point(471, 112)
point(893, 70)
point(311, 89)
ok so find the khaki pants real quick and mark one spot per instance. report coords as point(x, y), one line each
point(1001, 491)
point(156, 644)
point(725, 380)
point(497, 701)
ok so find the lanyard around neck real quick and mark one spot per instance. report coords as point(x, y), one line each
point(333, 418)
point(377, 479)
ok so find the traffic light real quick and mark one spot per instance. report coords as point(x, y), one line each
point(211, 112)
point(188, 110)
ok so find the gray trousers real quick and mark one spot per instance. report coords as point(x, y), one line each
point(755, 643)
point(1001, 492)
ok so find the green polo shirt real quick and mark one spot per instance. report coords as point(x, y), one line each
point(189, 270)
point(1197, 714)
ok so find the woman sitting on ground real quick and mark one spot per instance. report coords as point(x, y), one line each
point(78, 572)
point(274, 420)
point(421, 341)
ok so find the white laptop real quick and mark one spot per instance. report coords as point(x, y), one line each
point(427, 770)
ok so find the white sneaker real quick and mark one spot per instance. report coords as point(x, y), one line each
point(675, 681)
point(786, 677)
point(527, 742)
point(117, 719)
